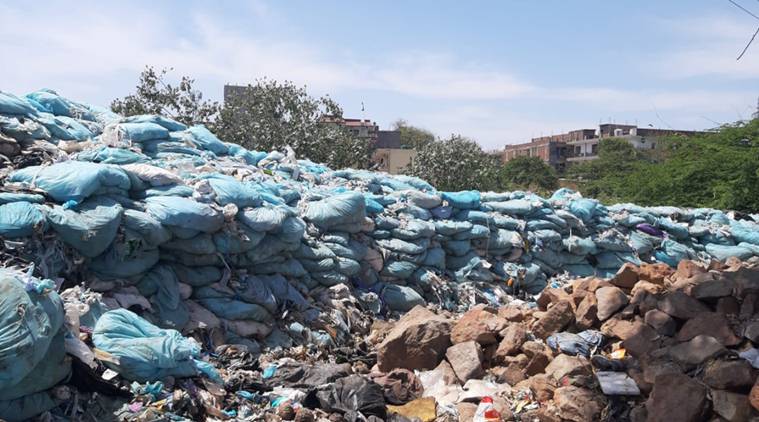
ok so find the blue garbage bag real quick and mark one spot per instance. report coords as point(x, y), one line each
point(73, 180)
point(469, 199)
point(146, 226)
point(511, 207)
point(165, 122)
point(20, 219)
point(11, 104)
point(401, 298)
point(8, 197)
point(145, 352)
point(341, 209)
point(232, 191)
point(206, 140)
point(89, 229)
point(184, 212)
point(723, 252)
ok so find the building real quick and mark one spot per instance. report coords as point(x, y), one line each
point(582, 144)
point(362, 129)
point(389, 155)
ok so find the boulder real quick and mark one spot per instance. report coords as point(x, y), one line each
point(661, 322)
point(512, 371)
point(643, 340)
point(554, 320)
point(511, 313)
point(626, 277)
point(610, 300)
point(466, 411)
point(540, 356)
point(466, 360)
point(688, 269)
point(751, 331)
point(732, 407)
point(753, 397)
point(697, 350)
point(679, 305)
point(418, 340)
point(578, 404)
point(712, 289)
point(677, 398)
point(586, 314)
point(479, 324)
point(565, 365)
point(541, 385)
point(654, 273)
point(729, 374)
point(551, 296)
point(710, 324)
point(514, 337)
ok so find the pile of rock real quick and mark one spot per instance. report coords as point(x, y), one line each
point(652, 343)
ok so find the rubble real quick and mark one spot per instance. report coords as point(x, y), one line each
point(165, 274)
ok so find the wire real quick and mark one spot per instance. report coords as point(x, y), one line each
point(743, 8)
point(749, 44)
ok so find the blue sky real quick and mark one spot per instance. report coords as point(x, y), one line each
point(497, 71)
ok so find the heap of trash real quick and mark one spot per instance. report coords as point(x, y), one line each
point(159, 252)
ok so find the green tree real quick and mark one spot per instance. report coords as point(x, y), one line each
point(456, 163)
point(530, 173)
point(271, 116)
point(412, 136)
point(155, 95)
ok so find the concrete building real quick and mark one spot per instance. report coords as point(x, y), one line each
point(582, 144)
point(389, 155)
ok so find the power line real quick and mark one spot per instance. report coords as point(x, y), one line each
point(744, 9)
point(749, 44)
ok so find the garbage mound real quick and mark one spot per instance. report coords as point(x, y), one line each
point(206, 240)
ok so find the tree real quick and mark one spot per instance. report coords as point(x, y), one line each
point(456, 163)
point(412, 136)
point(271, 115)
point(154, 95)
point(529, 173)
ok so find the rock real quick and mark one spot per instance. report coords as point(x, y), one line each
point(466, 411)
point(626, 277)
point(610, 300)
point(621, 328)
point(514, 337)
point(710, 324)
point(654, 273)
point(539, 355)
point(418, 340)
point(642, 340)
point(659, 365)
point(712, 289)
point(512, 371)
point(751, 331)
point(728, 305)
point(697, 350)
point(688, 269)
point(424, 409)
point(578, 404)
point(400, 386)
point(565, 365)
point(677, 398)
point(479, 324)
point(746, 280)
point(511, 313)
point(661, 322)
point(557, 317)
point(466, 360)
point(732, 407)
point(749, 306)
point(679, 305)
point(586, 313)
point(729, 374)
point(753, 397)
point(541, 386)
point(551, 295)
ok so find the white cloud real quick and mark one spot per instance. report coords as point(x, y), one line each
point(709, 46)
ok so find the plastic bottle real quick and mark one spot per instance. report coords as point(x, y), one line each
point(486, 411)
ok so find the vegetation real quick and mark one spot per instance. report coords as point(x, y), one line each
point(719, 170)
point(412, 136)
point(529, 173)
point(266, 116)
point(155, 95)
point(456, 163)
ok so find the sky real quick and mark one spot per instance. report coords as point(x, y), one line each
point(499, 72)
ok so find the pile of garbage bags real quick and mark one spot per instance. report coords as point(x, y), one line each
point(192, 232)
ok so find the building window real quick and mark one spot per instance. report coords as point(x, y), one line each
point(594, 149)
